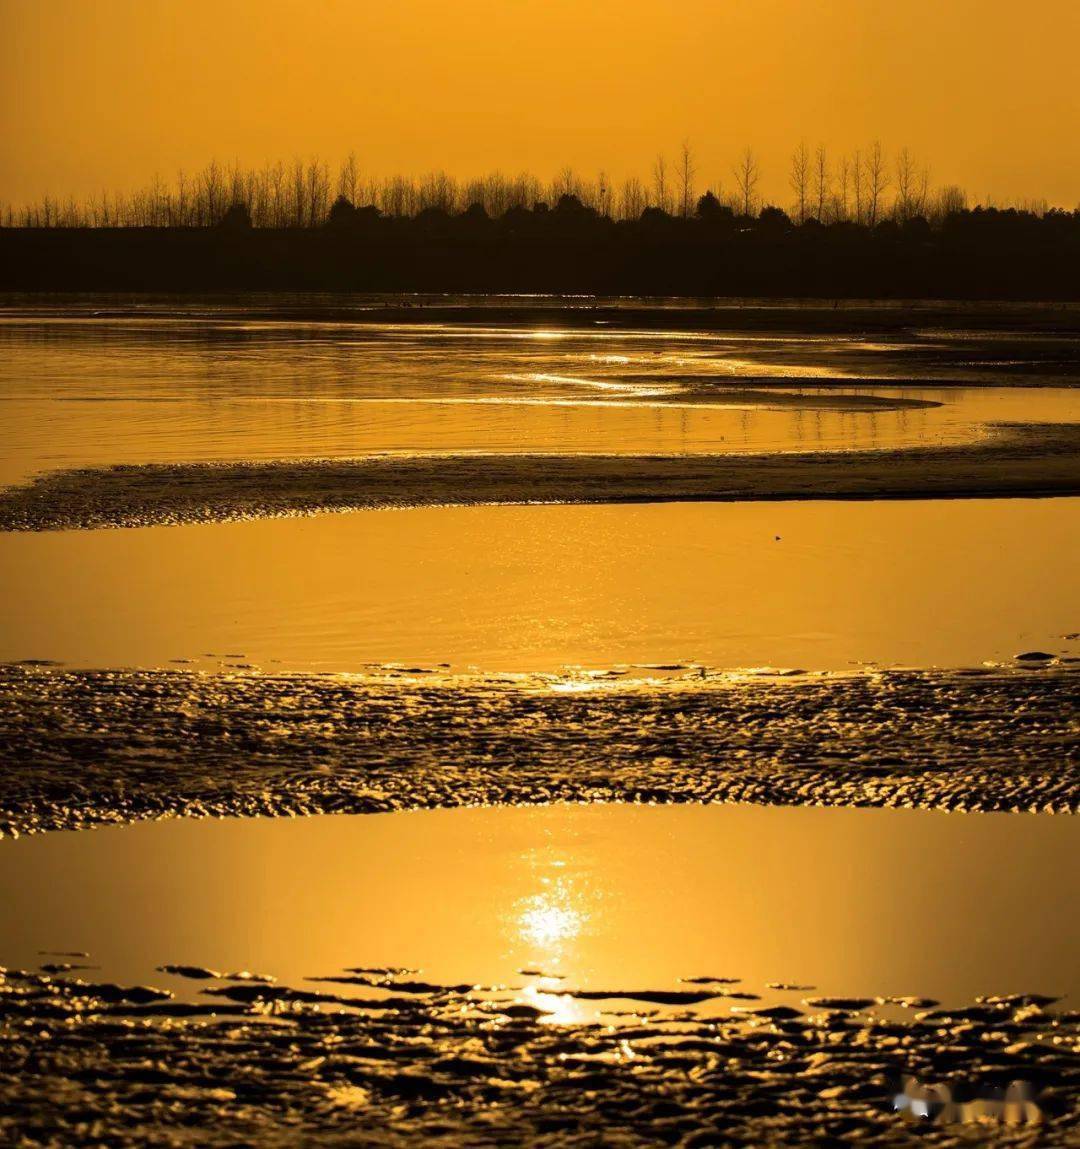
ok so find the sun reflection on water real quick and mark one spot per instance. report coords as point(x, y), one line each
point(549, 919)
point(550, 922)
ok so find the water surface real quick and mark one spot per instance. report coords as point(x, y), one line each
point(805, 585)
point(617, 898)
point(80, 391)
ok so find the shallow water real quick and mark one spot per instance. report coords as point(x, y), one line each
point(78, 392)
point(615, 898)
point(540, 588)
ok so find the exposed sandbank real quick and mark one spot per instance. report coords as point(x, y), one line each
point(84, 747)
point(1012, 460)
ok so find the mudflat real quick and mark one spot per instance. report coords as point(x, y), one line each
point(1015, 460)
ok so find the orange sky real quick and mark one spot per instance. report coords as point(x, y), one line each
point(100, 93)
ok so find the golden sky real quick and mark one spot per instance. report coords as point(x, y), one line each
point(106, 93)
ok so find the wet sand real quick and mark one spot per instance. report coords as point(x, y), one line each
point(475, 1042)
point(280, 1066)
point(1015, 461)
point(88, 747)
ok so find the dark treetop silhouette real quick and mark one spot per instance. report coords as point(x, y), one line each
point(978, 254)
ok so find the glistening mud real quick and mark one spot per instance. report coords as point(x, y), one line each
point(88, 747)
point(496, 973)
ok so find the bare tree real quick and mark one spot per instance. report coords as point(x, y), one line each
point(276, 195)
point(857, 184)
point(632, 199)
point(566, 183)
point(822, 185)
point(840, 198)
point(527, 190)
point(180, 214)
point(317, 187)
point(212, 193)
point(603, 195)
point(438, 191)
point(912, 187)
point(687, 171)
point(800, 179)
point(660, 186)
point(877, 181)
point(747, 174)
point(257, 194)
point(589, 194)
point(495, 194)
point(397, 195)
point(348, 178)
point(297, 194)
point(950, 200)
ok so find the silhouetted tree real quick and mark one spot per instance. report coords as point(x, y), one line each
point(566, 183)
point(747, 174)
point(603, 195)
point(297, 195)
point(949, 201)
point(686, 179)
point(800, 179)
point(911, 187)
point(632, 199)
point(774, 219)
point(342, 212)
point(660, 184)
point(709, 207)
point(821, 181)
point(571, 205)
point(840, 199)
point(348, 179)
point(857, 185)
point(236, 217)
point(876, 182)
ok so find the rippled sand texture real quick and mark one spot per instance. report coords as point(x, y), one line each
point(440, 1068)
point(123, 745)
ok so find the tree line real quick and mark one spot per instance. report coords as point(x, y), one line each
point(866, 187)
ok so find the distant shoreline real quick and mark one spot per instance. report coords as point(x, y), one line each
point(974, 257)
point(803, 316)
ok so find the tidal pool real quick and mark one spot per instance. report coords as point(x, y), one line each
point(817, 586)
point(612, 899)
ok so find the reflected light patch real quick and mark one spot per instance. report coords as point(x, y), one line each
point(559, 1008)
point(548, 919)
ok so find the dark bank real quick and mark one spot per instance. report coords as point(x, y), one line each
point(981, 254)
